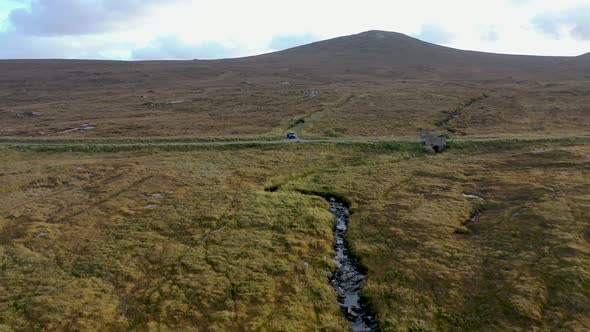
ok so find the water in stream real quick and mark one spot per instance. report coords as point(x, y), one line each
point(348, 280)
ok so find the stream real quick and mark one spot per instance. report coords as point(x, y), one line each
point(348, 280)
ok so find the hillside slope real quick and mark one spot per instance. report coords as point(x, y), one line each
point(395, 55)
point(373, 84)
point(371, 53)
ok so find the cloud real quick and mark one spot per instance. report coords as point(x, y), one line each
point(173, 48)
point(548, 24)
point(76, 28)
point(15, 45)
point(575, 21)
point(76, 17)
point(490, 35)
point(282, 42)
point(434, 34)
point(520, 2)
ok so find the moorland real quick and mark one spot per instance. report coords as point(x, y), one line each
point(103, 229)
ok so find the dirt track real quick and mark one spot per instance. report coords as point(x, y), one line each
point(7, 142)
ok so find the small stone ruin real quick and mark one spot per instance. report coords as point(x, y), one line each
point(436, 142)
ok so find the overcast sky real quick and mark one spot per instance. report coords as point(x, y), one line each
point(200, 29)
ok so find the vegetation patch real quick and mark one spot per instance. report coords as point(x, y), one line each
point(80, 249)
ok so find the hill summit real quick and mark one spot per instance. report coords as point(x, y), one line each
point(396, 55)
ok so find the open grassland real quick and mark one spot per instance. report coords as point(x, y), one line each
point(460, 109)
point(191, 100)
point(235, 237)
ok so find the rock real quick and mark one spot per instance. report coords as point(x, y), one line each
point(85, 126)
point(311, 93)
point(15, 114)
point(175, 102)
point(468, 195)
point(352, 312)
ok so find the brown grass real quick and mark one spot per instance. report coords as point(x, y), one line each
point(375, 84)
point(268, 109)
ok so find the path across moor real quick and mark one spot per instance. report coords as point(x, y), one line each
point(147, 142)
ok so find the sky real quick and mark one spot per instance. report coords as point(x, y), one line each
point(200, 29)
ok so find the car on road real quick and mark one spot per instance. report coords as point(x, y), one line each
point(291, 135)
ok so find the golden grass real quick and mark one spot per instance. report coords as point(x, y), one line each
point(116, 240)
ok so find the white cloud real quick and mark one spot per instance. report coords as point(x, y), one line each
point(433, 33)
point(173, 48)
point(128, 28)
point(282, 42)
point(490, 35)
point(521, 2)
point(14, 45)
point(574, 21)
